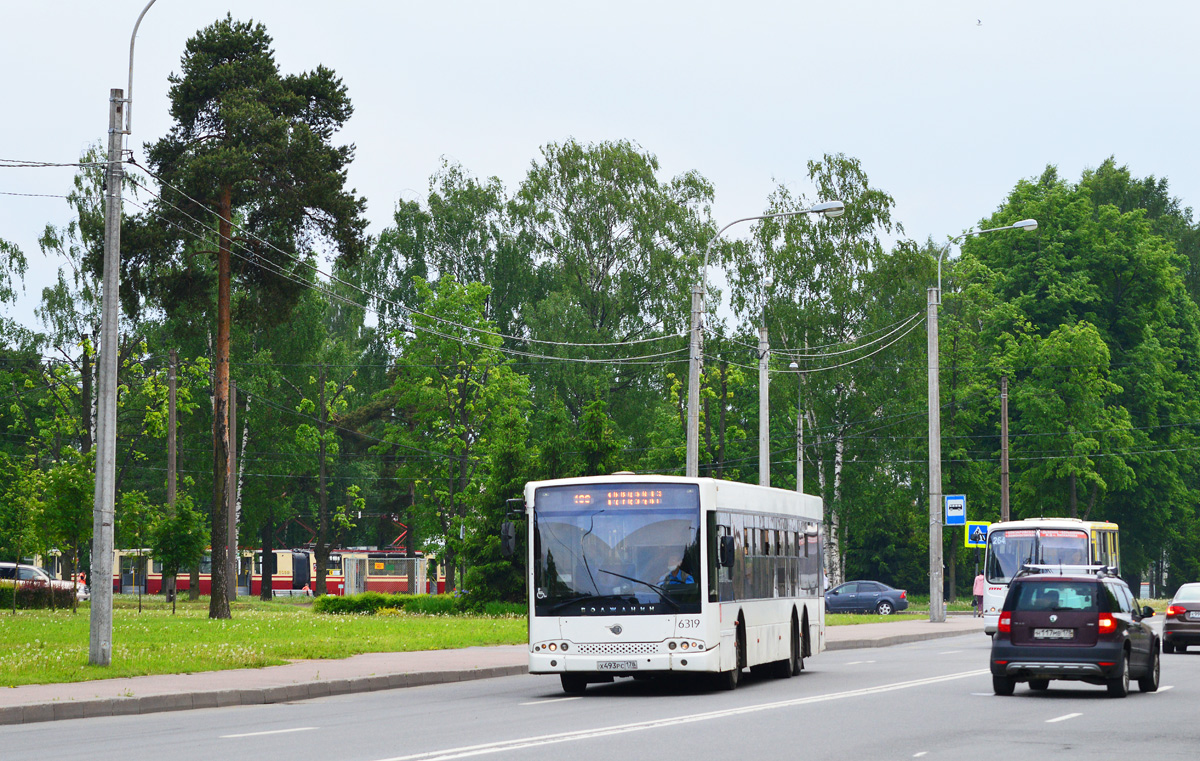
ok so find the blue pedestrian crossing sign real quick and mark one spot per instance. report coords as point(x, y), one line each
point(976, 534)
point(956, 509)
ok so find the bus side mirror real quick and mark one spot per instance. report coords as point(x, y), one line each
point(508, 539)
point(726, 551)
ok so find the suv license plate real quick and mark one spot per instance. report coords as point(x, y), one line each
point(1053, 633)
point(616, 666)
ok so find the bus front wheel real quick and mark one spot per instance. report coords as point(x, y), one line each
point(728, 680)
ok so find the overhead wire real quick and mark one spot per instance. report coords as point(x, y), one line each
point(383, 299)
point(412, 324)
point(809, 371)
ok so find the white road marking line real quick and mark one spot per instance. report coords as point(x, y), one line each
point(1063, 718)
point(585, 734)
point(1164, 689)
point(951, 652)
point(858, 663)
point(922, 753)
point(551, 700)
point(984, 694)
point(272, 732)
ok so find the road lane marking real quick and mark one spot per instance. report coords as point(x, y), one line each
point(551, 700)
point(858, 663)
point(922, 753)
point(1063, 718)
point(1164, 689)
point(586, 734)
point(272, 732)
point(950, 652)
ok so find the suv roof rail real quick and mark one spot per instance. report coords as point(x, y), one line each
point(1029, 569)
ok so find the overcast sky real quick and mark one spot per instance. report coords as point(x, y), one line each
point(947, 104)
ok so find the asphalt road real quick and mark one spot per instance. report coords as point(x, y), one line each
point(924, 700)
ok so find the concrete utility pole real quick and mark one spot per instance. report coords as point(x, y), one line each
point(764, 422)
point(104, 500)
point(692, 462)
point(799, 426)
point(172, 368)
point(1004, 506)
point(937, 608)
point(234, 558)
point(103, 508)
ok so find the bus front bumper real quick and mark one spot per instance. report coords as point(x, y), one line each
point(616, 665)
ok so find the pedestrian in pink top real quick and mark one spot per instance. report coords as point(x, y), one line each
point(977, 590)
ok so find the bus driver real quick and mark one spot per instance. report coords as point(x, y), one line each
point(675, 573)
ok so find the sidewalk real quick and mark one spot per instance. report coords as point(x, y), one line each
point(360, 673)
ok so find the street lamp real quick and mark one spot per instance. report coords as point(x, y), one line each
point(104, 500)
point(937, 608)
point(825, 209)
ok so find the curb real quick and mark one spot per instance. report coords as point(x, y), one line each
point(85, 709)
point(899, 639)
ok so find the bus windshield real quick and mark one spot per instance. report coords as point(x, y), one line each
point(601, 549)
point(1008, 550)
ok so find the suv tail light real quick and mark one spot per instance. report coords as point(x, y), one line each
point(1005, 623)
point(1175, 610)
point(1106, 624)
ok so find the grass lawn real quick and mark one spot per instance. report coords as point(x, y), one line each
point(849, 619)
point(52, 646)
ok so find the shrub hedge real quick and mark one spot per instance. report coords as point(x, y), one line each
point(30, 597)
point(369, 603)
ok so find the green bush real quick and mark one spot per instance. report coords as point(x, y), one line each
point(369, 603)
point(434, 605)
point(34, 597)
point(497, 609)
point(364, 604)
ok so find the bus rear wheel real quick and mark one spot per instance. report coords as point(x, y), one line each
point(573, 684)
point(796, 663)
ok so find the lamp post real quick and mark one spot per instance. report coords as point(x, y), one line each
point(937, 607)
point(104, 499)
point(826, 209)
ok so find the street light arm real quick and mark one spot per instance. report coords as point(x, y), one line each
point(129, 90)
point(1024, 224)
point(827, 208)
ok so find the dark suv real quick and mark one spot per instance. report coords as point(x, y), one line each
point(1082, 624)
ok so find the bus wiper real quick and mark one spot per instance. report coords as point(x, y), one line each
point(661, 592)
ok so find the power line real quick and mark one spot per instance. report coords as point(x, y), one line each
point(413, 312)
point(414, 326)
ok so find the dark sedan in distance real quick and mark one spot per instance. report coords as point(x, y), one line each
point(1182, 625)
point(865, 597)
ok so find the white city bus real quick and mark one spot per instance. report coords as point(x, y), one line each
point(1045, 542)
point(641, 575)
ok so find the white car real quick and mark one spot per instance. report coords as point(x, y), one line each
point(31, 574)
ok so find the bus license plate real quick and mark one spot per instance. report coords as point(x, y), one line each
point(1053, 633)
point(616, 666)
